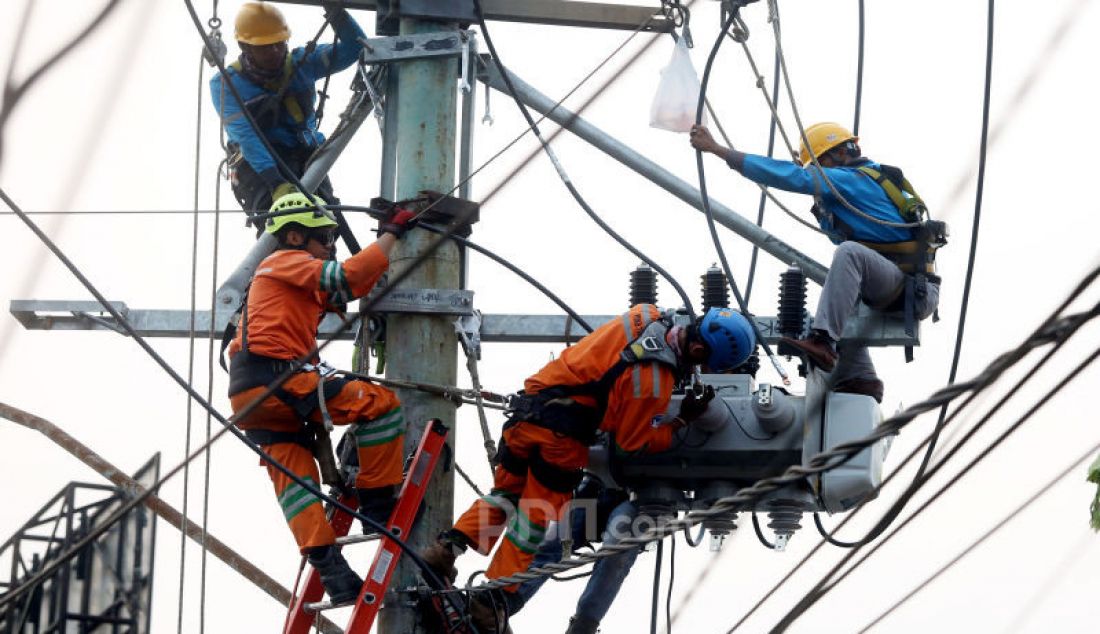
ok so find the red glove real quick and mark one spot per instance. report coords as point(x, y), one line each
point(398, 222)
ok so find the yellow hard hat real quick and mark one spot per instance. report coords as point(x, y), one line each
point(824, 137)
point(260, 24)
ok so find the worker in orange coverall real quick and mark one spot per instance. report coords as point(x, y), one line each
point(289, 295)
point(618, 379)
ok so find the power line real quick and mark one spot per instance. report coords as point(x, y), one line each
point(1053, 330)
point(820, 589)
point(561, 170)
point(986, 535)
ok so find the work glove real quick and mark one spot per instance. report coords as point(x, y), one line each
point(282, 189)
point(397, 222)
point(693, 405)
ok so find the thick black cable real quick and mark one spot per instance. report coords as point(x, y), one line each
point(656, 587)
point(970, 263)
point(979, 188)
point(561, 170)
point(377, 213)
point(820, 589)
point(1073, 466)
point(709, 213)
point(229, 426)
point(671, 581)
point(13, 93)
point(859, 72)
point(1054, 330)
point(763, 192)
point(760, 533)
point(1047, 326)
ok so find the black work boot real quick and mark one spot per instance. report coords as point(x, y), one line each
point(818, 347)
point(376, 503)
point(582, 625)
point(340, 581)
point(868, 387)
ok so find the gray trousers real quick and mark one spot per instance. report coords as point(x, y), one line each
point(858, 274)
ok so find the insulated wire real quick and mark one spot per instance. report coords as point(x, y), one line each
point(805, 142)
point(580, 109)
point(228, 425)
point(13, 93)
point(1078, 461)
point(1054, 329)
point(773, 123)
point(709, 213)
point(191, 343)
point(656, 587)
point(916, 450)
point(671, 581)
point(965, 302)
point(561, 170)
point(820, 589)
point(859, 72)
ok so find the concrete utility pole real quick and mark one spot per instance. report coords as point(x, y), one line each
point(424, 347)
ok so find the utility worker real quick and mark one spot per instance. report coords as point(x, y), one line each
point(618, 380)
point(597, 513)
point(278, 89)
point(889, 267)
point(290, 293)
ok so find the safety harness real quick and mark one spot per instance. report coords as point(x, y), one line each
point(265, 107)
point(916, 258)
point(248, 370)
point(556, 409)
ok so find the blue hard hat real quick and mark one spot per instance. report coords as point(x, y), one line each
point(730, 337)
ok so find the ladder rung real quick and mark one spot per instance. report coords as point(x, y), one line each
point(357, 539)
point(321, 606)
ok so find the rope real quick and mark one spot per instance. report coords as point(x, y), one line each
point(468, 479)
point(1053, 330)
point(475, 383)
point(859, 72)
point(448, 392)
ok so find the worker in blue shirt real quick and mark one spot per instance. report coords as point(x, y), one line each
point(885, 255)
point(277, 87)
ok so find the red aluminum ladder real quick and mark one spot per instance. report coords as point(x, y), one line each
point(305, 605)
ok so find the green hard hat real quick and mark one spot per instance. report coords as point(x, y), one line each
point(312, 215)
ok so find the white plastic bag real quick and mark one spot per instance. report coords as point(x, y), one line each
point(677, 95)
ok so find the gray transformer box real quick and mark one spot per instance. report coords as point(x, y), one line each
point(751, 433)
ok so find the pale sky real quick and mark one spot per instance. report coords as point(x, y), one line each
point(113, 127)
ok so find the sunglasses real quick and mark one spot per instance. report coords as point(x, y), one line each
point(324, 238)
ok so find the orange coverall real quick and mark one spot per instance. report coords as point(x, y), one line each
point(286, 302)
point(636, 401)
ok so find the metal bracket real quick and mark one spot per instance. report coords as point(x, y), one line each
point(426, 301)
point(403, 48)
point(468, 329)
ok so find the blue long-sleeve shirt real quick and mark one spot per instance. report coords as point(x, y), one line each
point(856, 187)
point(285, 131)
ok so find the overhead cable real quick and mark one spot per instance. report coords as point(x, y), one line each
point(227, 423)
point(1034, 497)
point(565, 176)
point(709, 213)
point(1052, 330)
point(820, 589)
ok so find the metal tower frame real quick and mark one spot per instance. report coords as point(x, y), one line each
point(107, 587)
